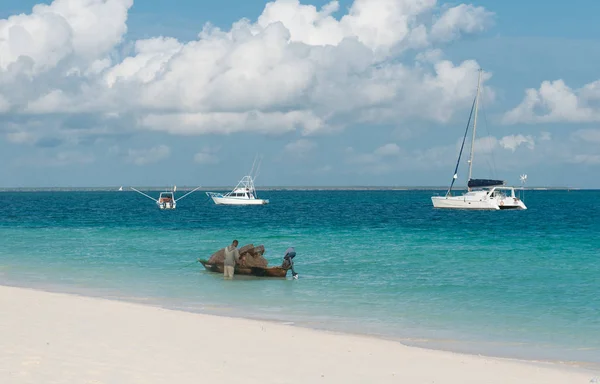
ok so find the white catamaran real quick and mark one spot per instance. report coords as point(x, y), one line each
point(485, 194)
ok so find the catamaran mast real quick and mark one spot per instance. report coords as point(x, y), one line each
point(474, 128)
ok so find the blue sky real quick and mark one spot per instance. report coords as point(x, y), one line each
point(129, 94)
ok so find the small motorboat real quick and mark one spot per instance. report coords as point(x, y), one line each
point(166, 199)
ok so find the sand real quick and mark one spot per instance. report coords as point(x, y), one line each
point(60, 338)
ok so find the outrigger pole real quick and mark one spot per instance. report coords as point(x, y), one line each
point(193, 190)
point(142, 193)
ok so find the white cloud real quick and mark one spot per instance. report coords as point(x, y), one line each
point(556, 102)
point(150, 57)
point(148, 156)
point(296, 68)
point(512, 142)
point(47, 103)
point(232, 122)
point(461, 19)
point(207, 156)
point(84, 30)
point(489, 144)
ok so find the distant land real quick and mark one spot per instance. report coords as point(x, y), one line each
point(270, 188)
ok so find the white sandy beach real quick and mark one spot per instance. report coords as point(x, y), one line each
point(59, 338)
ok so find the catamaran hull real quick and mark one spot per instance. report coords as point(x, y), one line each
point(460, 202)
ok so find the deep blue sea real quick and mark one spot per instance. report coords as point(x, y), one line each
point(509, 283)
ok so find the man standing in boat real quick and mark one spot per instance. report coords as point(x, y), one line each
point(232, 257)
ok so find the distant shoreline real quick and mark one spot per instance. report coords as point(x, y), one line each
point(269, 188)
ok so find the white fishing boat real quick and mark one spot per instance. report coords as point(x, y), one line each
point(244, 193)
point(166, 199)
point(483, 194)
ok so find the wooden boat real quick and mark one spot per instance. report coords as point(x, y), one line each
point(247, 270)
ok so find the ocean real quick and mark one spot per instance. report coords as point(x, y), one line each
point(523, 284)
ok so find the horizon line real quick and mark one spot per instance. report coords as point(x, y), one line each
point(274, 188)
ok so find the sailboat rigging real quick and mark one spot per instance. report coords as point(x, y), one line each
point(490, 194)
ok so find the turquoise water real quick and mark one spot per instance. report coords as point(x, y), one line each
point(385, 263)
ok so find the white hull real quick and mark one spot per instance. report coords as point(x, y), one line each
point(458, 202)
point(222, 200)
point(477, 201)
point(167, 205)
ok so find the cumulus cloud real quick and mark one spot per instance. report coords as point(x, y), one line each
point(148, 156)
point(487, 145)
point(555, 102)
point(461, 19)
point(512, 142)
point(296, 68)
point(232, 122)
point(80, 30)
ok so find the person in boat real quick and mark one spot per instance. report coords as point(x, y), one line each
point(288, 261)
point(232, 257)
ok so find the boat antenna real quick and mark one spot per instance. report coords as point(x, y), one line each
point(449, 193)
point(474, 129)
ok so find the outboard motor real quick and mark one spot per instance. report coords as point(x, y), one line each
point(288, 261)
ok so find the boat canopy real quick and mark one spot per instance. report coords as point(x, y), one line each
point(480, 183)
